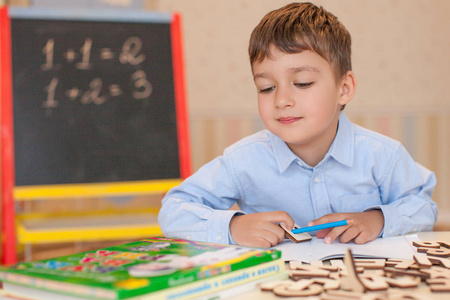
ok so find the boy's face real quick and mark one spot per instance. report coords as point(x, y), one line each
point(299, 100)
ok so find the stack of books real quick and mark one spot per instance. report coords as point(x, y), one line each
point(153, 268)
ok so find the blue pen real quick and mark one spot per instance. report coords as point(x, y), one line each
point(322, 226)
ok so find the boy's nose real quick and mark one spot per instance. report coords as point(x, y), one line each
point(284, 99)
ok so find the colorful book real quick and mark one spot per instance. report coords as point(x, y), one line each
point(153, 268)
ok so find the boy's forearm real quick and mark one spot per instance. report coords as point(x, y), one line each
point(194, 221)
point(406, 216)
point(408, 190)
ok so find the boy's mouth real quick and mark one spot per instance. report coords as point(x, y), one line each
point(288, 120)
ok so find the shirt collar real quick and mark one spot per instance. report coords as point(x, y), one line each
point(343, 147)
point(283, 155)
point(343, 153)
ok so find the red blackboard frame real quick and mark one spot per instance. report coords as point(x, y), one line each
point(8, 226)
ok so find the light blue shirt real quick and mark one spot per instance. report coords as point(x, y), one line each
point(362, 170)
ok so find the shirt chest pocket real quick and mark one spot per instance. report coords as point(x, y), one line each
point(359, 202)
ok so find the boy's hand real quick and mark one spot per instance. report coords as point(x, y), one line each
point(366, 226)
point(260, 229)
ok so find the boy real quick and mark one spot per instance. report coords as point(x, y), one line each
point(312, 165)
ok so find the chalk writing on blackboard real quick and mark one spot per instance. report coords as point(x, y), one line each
point(130, 54)
point(95, 99)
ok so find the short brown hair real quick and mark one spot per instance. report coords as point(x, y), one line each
point(303, 26)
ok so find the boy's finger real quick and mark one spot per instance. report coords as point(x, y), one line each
point(349, 234)
point(280, 216)
point(327, 219)
point(259, 243)
point(334, 234)
point(323, 233)
point(278, 232)
point(271, 237)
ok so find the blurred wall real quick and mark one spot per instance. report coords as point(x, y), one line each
point(400, 51)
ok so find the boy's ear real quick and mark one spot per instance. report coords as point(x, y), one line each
point(348, 88)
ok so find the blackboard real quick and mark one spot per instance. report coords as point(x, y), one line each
point(97, 97)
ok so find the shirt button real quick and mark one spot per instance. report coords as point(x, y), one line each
point(317, 180)
point(219, 237)
point(300, 164)
point(390, 231)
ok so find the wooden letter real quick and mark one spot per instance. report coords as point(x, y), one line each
point(422, 260)
point(370, 263)
point(439, 252)
point(439, 284)
point(351, 282)
point(437, 272)
point(426, 244)
point(307, 271)
point(445, 262)
point(269, 286)
point(284, 291)
point(296, 237)
point(400, 263)
point(374, 283)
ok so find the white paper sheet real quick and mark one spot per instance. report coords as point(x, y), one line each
point(394, 247)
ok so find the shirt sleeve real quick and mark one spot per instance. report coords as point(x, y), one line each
point(198, 209)
point(406, 189)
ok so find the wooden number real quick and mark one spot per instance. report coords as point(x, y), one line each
point(426, 244)
point(441, 252)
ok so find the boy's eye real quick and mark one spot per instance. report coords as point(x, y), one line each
point(303, 85)
point(267, 90)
